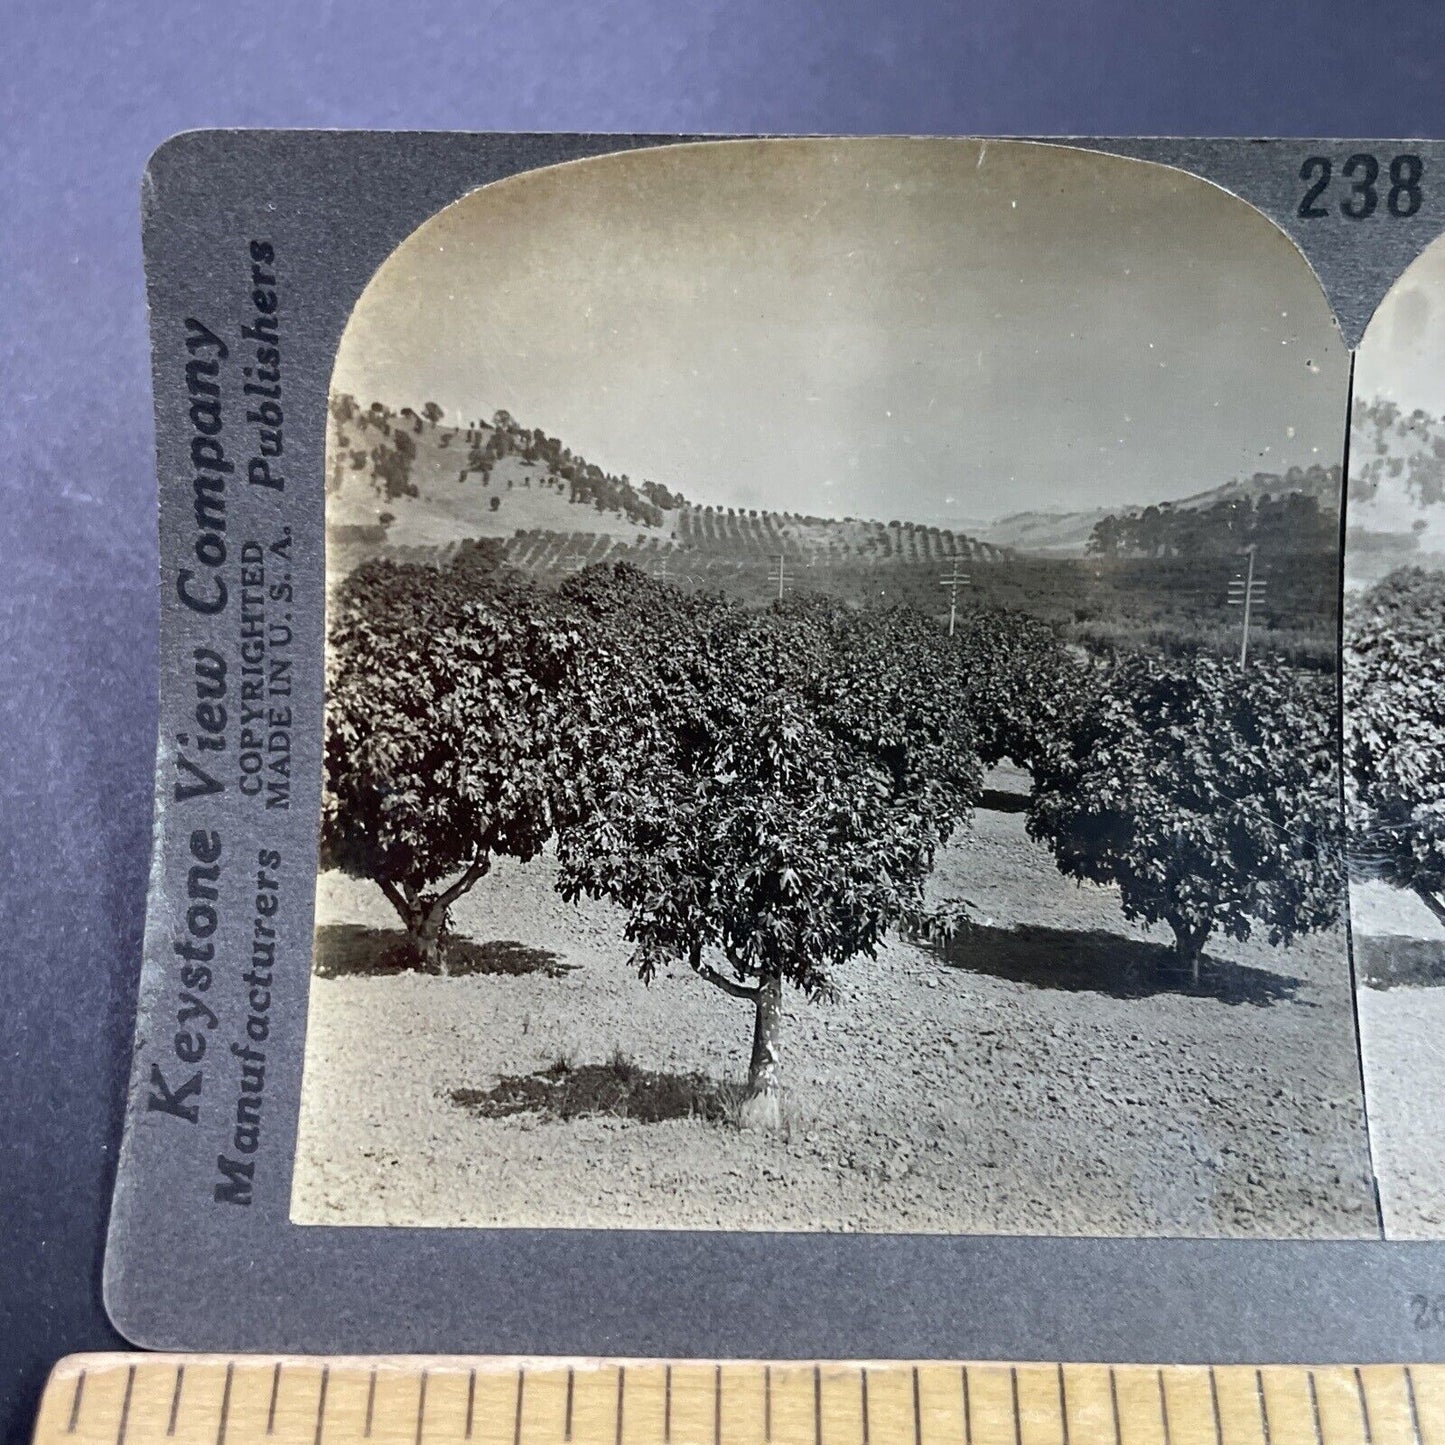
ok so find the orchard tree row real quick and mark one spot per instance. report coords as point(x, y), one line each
point(763, 791)
point(1394, 716)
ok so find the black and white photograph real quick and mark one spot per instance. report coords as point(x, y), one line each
point(1394, 738)
point(832, 708)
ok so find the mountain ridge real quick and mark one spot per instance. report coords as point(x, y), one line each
point(407, 483)
point(403, 483)
point(1067, 533)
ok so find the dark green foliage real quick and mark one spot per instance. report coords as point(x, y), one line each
point(393, 452)
point(780, 783)
point(1388, 444)
point(1017, 680)
point(462, 705)
point(1206, 793)
point(1300, 514)
point(1394, 718)
point(391, 466)
point(1172, 605)
point(1164, 592)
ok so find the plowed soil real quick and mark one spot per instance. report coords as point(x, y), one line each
point(1046, 1074)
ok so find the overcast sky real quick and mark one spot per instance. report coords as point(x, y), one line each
point(912, 329)
point(1402, 356)
point(1402, 359)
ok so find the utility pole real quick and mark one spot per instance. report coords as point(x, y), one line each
point(1245, 592)
point(953, 582)
point(782, 575)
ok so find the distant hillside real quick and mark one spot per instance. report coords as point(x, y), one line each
point(421, 487)
point(1065, 534)
point(416, 485)
point(1068, 534)
point(1397, 486)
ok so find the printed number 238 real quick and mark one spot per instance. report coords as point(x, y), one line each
point(1362, 181)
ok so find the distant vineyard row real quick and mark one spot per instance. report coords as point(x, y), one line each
point(396, 450)
point(707, 529)
point(1176, 606)
point(718, 540)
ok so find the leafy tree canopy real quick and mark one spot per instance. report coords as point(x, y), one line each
point(1206, 793)
point(461, 706)
point(1394, 710)
point(789, 777)
point(1393, 449)
point(1018, 680)
point(1288, 517)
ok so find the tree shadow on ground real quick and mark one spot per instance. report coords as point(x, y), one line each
point(1390, 962)
point(996, 800)
point(1099, 962)
point(348, 950)
point(619, 1088)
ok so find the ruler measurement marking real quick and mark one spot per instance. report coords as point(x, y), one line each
point(75, 1400)
point(1364, 1407)
point(225, 1403)
point(1414, 1411)
point(321, 1404)
point(142, 1406)
point(125, 1407)
point(176, 1399)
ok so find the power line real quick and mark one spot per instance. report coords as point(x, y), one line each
point(953, 582)
point(1246, 591)
point(779, 574)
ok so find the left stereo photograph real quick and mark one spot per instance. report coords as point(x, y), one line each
point(773, 699)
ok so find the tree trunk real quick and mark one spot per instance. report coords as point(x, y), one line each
point(1188, 946)
point(426, 914)
point(425, 931)
point(425, 917)
point(762, 1106)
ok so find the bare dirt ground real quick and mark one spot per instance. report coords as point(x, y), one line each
point(1400, 958)
point(1402, 1035)
point(1045, 1075)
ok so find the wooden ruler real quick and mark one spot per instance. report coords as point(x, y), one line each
point(119, 1399)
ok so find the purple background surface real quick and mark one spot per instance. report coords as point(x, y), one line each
point(90, 89)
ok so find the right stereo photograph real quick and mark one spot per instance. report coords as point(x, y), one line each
point(1394, 734)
